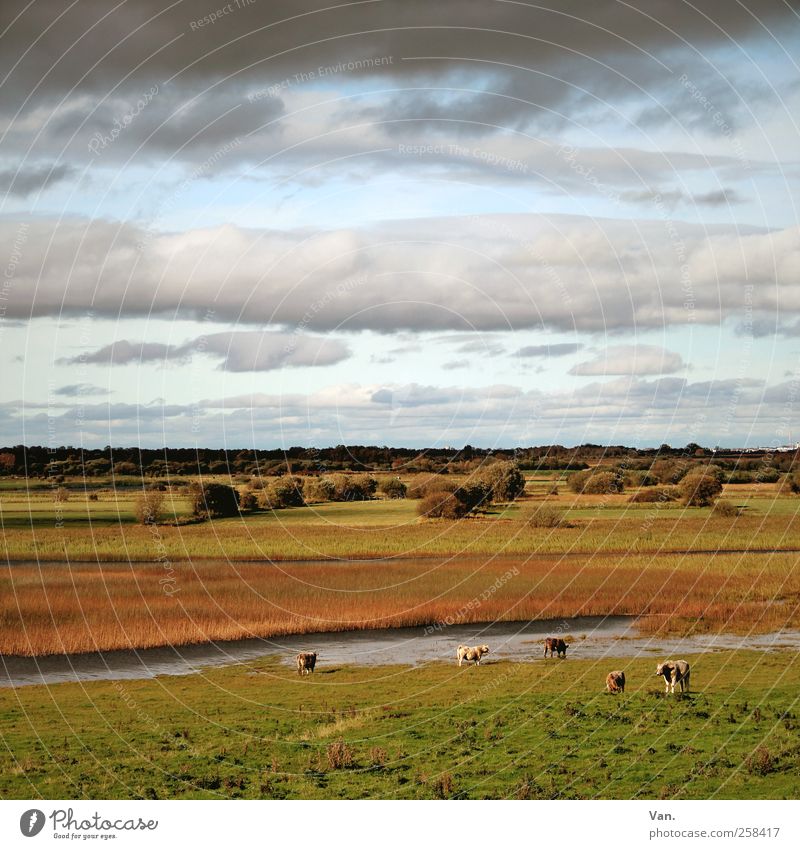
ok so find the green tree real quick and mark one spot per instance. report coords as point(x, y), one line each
point(214, 500)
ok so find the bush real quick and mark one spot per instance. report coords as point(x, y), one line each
point(148, 507)
point(654, 495)
point(248, 500)
point(505, 480)
point(60, 494)
point(393, 488)
point(214, 500)
point(454, 503)
point(547, 517)
point(353, 487)
point(286, 491)
point(474, 494)
point(428, 487)
point(699, 489)
point(724, 510)
point(596, 483)
point(318, 489)
point(790, 484)
point(340, 755)
point(442, 505)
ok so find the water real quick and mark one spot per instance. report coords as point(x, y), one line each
point(591, 637)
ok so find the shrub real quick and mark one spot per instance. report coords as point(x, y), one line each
point(596, 483)
point(148, 507)
point(340, 755)
point(393, 488)
point(760, 762)
point(214, 500)
point(699, 489)
point(474, 494)
point(353, 487)
point(724, 510)
point(505, 480)
point(655, 494)
point(442, 505)
point(431, 485)
point(286, 491)
point(318, 489)
point(60, 494)
point(454, 503)
point(92, 496)
point(789, 484)
point(248, 500)
point(547, 517)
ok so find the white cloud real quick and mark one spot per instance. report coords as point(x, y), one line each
point(631, 360)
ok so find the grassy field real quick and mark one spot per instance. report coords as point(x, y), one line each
point(50, 609)
point(539, 730)
point(120, 585)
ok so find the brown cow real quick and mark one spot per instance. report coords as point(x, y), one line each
point(674, 672)
point(306, 661)
point(615, 681)
point(471, 654)
point(556, 646)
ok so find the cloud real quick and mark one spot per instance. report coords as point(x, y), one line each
point(631, 360)
point(79, 389)
point(482, 273)
point(672, 197)
point(557, 349)
point(27, 179)
point(672, 409)
point(242, 351)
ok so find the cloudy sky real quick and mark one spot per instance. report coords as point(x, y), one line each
point(404, 223)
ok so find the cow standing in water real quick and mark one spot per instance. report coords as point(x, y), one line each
point(556, 646)
point(306, 661)
point(674, 672)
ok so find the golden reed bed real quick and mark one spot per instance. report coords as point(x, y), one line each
point(57, 608)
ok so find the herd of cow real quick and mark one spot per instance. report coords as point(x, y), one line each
point(672, 671)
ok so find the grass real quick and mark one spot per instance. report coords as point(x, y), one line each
point(84, 587)
point(543, 730)
point(49, 609)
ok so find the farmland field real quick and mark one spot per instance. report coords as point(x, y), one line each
point(83, 575)
point(541, 730)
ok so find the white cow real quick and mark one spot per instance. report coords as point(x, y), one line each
point(674, 672)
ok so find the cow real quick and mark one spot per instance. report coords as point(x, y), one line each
point(306, 661)
point(556, 646)
point(615, 681)
point(674, 672)
point(471, 654)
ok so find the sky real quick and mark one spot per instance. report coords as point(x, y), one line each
point(482, 222)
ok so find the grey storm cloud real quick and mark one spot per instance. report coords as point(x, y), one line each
point(557, 349)
point(25, 180)
point(250, 75)
point(672, 197)
point(485, 273)
point(237, 351)
point(74, 390)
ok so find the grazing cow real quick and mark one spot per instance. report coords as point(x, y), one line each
point(471, 654)
point(306, 661)
point(615, 681)
point(556, 646)
point(674, 672)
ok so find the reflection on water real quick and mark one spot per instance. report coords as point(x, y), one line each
point(591, 637)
